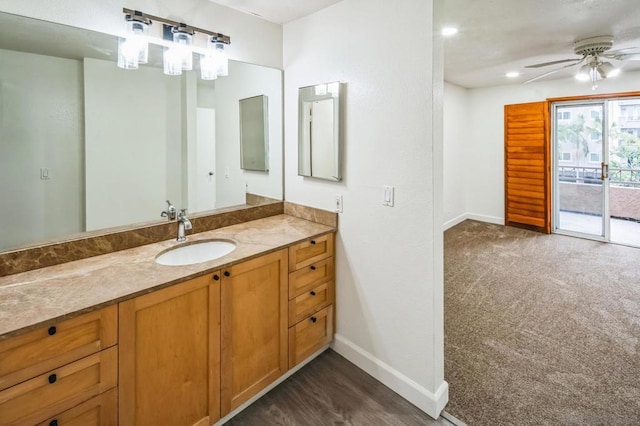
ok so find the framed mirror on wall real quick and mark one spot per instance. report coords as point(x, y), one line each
point(319, 131)
point(87, 146)
point(254, 133)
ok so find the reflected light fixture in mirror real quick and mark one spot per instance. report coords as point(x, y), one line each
point(178, 41)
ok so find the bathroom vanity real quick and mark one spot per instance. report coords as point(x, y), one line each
point(120, 339)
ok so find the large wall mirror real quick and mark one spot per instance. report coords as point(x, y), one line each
point(319, 131)
point(86, 146)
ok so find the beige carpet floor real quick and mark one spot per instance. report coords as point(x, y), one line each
point(540, 329)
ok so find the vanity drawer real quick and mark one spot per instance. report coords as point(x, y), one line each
point(310, 335)
point(25, 356)
point(101, 410)
point(309, 277)
point(309, 302)
point(58, 390)
point(310, 251)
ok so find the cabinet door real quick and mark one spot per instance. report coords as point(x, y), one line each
point(170, 355)
point(254, 327)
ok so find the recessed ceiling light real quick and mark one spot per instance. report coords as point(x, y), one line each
point(512, 74)
point(449, 31)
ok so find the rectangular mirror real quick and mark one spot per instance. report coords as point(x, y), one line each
point(86, 146)
point(254, 133)
point(319, 131)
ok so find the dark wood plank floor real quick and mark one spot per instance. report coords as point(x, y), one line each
point(332, 391)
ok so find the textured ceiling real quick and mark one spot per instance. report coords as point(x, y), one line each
point(278, 11)
point(497, 36)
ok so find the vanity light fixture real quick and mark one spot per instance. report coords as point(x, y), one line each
point(179, 43)
point(512, 74)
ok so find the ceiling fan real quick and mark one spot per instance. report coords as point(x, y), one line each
point(593, 51)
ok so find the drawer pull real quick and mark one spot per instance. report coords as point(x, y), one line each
point(52, 330)
point(53, 378)
point(216, 277)
point(313, 268)
point(313, 242)
point(226, 273)
point(313, 293)
point(53, 423)
point(314, 319)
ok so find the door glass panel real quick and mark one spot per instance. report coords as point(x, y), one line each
point(579, 152)
point(624, 170)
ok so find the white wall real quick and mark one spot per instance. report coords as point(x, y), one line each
point(252, 39)
point(388, 260)
point(245, 81)
point(41, 126)
point(133, 144)
point(485, 173)
point(456, 140)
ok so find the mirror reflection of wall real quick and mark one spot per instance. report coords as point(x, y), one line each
point(254, 133)
point(85, 145)
point(319, 131)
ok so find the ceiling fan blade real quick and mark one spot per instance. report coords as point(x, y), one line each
point(623, 56)
point(553, 71)
point(544, 64)
point(615, 52)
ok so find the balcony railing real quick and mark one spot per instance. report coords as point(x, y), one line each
point(591, 175)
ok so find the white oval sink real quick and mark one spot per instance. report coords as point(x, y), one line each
point(195, 253)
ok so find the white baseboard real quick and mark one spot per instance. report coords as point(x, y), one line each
point(485, 218)
point(270, 387)
point(456, 220)
point(431, 403)
point(473, 216)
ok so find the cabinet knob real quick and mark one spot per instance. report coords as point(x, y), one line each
point(313, 268)
point(314, 319)
point(53, 423)
point(53, 378)
point(216, 277)
point(313, 293)
point(313, 242)
point(226, 274)
point(52, 330)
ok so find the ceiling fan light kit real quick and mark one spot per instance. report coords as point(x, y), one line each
point(594, 51)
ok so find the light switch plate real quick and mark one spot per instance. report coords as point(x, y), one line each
point(388, 195)
point(338, 203)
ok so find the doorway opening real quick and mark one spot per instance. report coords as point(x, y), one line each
point(596, 169)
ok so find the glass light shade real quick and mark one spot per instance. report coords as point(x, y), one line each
point(585, 73)
point(605, 70)
point(134, 49)
point(128, 55)
point(182, 43)
point(137, 33)
point(208, 69)
point(222, 61)
point(172, 60)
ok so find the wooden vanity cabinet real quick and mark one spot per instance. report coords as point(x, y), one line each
point(311, 297)
point(170, 355)
point(254, 327)
point(51, 371)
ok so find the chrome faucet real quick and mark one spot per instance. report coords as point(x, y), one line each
point(170, 212)
point(184, 224)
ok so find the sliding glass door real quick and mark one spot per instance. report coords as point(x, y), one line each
point(580, 154)
point(596, 169)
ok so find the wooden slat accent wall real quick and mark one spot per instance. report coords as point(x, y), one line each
point(527, 172)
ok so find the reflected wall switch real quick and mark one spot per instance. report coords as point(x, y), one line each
point(338, 203)
point(44, 174)
point(388, 195)
point(226, 173)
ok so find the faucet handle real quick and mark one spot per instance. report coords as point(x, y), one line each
point(170, 213)
point(183, 213)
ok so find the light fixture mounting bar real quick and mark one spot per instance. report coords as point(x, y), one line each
point(219, 37)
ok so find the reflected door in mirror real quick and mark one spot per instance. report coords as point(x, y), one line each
point(319, 132)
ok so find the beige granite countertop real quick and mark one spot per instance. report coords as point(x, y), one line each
point(44, 296)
